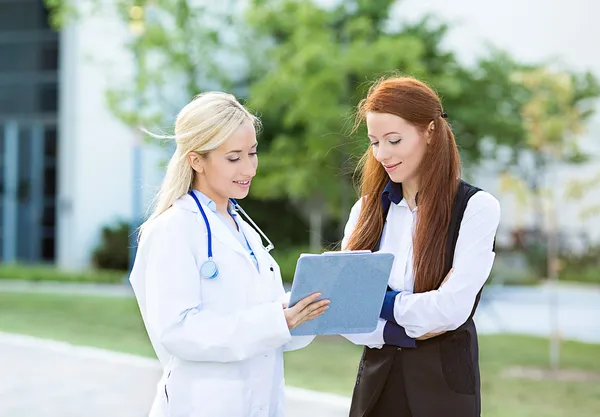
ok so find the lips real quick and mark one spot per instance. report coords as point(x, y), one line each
point(245, 183)
point(391, 167)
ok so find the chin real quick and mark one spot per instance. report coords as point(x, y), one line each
point(240, 194)
point(397, 177)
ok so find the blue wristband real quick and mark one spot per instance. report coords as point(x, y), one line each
point(387, 310)
point(395, 335)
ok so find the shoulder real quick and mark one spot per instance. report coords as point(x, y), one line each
point(483, 204)
point(357, 206)
point(355, 211)
point(484, 200)
point(353, 217)
point(174, 223)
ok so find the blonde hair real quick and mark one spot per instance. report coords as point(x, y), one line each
point(201, 126)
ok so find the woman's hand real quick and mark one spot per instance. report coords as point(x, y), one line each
point(305, 310)
point(430, 335)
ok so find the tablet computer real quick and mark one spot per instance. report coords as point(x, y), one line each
point(354, 281)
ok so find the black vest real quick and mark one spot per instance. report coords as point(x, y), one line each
point(393, 194)
point(438, 377)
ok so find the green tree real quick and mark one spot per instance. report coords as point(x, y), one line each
point(554, 116)
point(313, 64)
point(178, 47)
point(313, 60)
point(304, 67)
point(577, 191)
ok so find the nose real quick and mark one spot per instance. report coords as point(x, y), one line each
point(249, 168)
point(381, 152)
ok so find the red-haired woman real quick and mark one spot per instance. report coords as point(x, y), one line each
point(422, 361)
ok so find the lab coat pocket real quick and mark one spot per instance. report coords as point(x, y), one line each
point(219, 398)
point(166, 389)
point(275, 271)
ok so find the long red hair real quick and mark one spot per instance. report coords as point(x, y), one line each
point(439, 174)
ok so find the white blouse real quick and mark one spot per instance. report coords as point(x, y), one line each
point(450, 306)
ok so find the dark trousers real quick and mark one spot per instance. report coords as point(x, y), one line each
point(440, 378)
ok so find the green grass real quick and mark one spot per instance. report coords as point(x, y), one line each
point(51, 273)
point(286, 258)
point(589, 275)
point(328, 364)
point(106, 322)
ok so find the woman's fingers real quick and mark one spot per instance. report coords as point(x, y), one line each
point(311, 308)
point(312, 311)
point(314, 314)
point(306, 309)
point(318, 305)
point(306, 301)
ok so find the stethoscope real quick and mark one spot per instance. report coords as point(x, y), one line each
point(209, 269)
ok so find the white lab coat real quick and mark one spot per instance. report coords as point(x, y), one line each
point(220, 341)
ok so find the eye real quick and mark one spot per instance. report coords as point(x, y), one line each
point(253, 153)
point(374, 143)
point(395, 142)
point(234, 160)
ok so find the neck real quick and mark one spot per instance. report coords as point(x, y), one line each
point(410, 188)
point(220, 202)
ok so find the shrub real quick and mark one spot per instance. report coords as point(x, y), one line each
point(113, 250)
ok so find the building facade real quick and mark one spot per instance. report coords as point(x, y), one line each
point(29, 85)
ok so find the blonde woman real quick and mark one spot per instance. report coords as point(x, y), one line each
point(210, 294)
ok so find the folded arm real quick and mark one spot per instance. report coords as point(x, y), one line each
point(450, 306)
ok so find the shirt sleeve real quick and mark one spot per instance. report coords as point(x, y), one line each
point(374, 340)
point(351, 223)
point(450, 306)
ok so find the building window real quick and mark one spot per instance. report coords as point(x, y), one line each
point(29, 61)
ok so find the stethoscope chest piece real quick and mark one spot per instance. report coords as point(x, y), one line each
point(209, 270)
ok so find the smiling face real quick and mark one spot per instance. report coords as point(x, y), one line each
point(227, 171)
point(397, 145)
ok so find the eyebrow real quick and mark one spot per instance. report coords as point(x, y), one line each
point(387, 134)
point(240, 151)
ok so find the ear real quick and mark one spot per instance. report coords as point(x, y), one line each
point(196, 162)
point(429, 131)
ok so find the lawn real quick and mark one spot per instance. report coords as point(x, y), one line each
point(51, 273)
point(329, 364)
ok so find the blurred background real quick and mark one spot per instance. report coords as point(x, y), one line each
point(78, 78)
